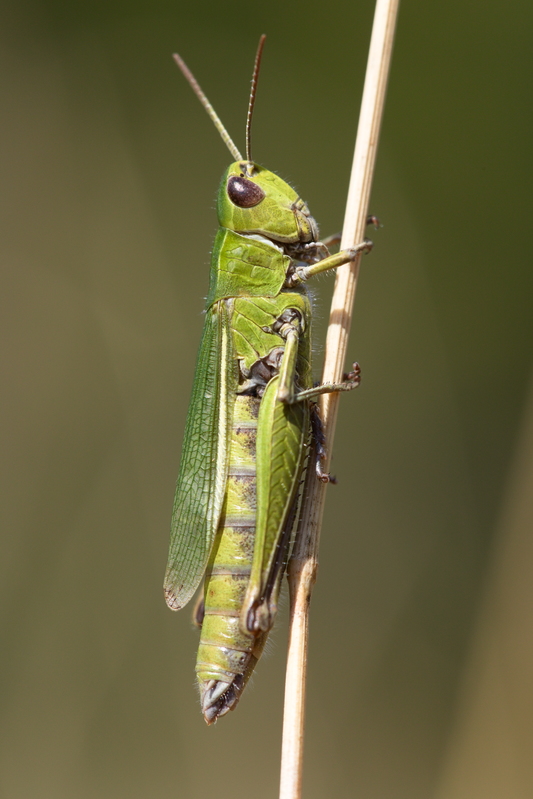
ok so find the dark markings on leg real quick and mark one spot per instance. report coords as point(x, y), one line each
point(320, 444)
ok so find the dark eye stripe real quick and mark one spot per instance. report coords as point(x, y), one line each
point(244, 193)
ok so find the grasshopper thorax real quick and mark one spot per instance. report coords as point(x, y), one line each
point(253, 200)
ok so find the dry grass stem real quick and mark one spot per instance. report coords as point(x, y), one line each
point(303, 565)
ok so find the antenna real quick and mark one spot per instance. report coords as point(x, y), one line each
point(209, 108)
point(251, 103)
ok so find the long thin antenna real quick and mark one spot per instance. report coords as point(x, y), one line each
point(226, 138)
point(252, 97)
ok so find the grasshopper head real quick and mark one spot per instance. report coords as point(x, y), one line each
point(253, 200)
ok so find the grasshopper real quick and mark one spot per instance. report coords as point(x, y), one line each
point(250, 418)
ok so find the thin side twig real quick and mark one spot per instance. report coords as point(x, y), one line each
point(303, 564)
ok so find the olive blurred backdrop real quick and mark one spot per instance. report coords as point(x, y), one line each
point(421, 652)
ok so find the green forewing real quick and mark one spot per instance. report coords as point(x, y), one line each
point(204, 464)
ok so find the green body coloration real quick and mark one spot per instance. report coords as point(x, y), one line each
point(248, 424)
point(247, 429)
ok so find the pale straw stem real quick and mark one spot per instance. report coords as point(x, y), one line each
point(303, 564)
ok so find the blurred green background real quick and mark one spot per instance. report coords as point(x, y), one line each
point(421, 650)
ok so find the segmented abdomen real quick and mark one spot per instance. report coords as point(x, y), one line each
point(226, 653)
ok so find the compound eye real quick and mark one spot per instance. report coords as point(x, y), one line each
point(244, 193)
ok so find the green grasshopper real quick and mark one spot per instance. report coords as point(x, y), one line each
point(250, 419)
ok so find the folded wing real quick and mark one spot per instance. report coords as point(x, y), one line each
point(204, 461)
